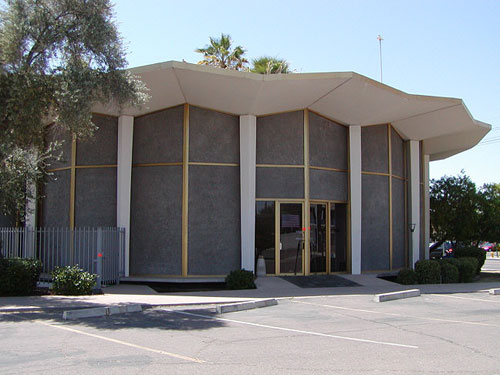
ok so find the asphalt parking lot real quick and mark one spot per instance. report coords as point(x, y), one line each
point(351, 334)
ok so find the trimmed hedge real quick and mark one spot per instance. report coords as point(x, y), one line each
point(428, 272)
point(407, 276)
point(449, 272)
point(18, 276)
point(72, 281)
point(473, 252)
point(240, 279)
point(467, 268)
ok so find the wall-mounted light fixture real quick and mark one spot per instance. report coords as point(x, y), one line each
point(412, 227)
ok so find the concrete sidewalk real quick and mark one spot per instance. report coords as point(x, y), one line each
point(267, 287)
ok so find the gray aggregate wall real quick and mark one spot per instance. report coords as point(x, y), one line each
point(95, 198)
point(102, 147)
point(280, 139)
point(158, 137)
point(328, 185)
point(374, 223)
point(214, 220)
point(156, 220)
point(374, 150)
point(398, 224)
point(397, 153)
point(327, 143)
point(55, 205)
point(213, 136)
point(280, 182)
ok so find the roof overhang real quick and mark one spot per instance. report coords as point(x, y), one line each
point(443, 124)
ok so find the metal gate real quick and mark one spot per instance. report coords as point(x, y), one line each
point(59, 247)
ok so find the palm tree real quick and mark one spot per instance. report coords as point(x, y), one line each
point(221, 54)
point(270, 65)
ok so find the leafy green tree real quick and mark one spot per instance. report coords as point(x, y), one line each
point(57, 59)
point(454, 209)
point(221, 54)
point(270, 65)
point(489, 209)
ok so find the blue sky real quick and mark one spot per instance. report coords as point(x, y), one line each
point(440, 48)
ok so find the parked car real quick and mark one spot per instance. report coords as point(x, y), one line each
point(443, 250)
point(488, 246)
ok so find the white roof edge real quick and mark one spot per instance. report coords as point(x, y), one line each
point(194, 78)
point(235, 73)
point(463, 141)
point(483, 124)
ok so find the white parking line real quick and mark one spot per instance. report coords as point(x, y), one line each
point(472, 299)
point(157, 351)
point(294, 330)
point(398, 315)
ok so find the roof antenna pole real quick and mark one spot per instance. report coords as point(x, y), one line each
point(380, 39)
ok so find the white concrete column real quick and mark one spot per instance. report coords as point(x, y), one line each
point(30, 211)
point(427, 207)
point(248, 142)
point(124, 181)
point(414, 194)
point(30, 220)
point(355, 196)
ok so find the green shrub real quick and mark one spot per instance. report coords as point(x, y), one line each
point(407, 276)
point(467, 268)
point(474, 252)
point(453, 261)
point(449, 272)
point(72, 281)
point(18, 276)
point(428, 272)
point(240, 279)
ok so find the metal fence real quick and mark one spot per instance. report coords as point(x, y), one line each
point(96, 250)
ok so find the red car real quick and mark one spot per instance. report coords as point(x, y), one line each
point(488, 246)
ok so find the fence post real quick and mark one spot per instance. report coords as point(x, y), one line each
point(121, 252)
point(99, 258)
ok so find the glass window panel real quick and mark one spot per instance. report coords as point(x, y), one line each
point(318, 238)
point(291, 238)
point(338, 239)
point(265, 234)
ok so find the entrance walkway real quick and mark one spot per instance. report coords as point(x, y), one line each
point(267, 287)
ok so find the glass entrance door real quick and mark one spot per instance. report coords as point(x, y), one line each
point(279, 237)
point(291, 238)
point(338, 237)
point(318, 237)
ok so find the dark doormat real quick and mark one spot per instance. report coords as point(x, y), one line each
point(319, 281)
point(166, 287)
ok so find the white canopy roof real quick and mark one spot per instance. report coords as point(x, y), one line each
point(443, 124)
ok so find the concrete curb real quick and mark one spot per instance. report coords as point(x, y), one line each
point(100, 311)
point(495, 292)
point(396, 295)
point(33, 309)
point(240, 306)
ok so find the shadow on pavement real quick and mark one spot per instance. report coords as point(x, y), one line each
point(148, 319)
